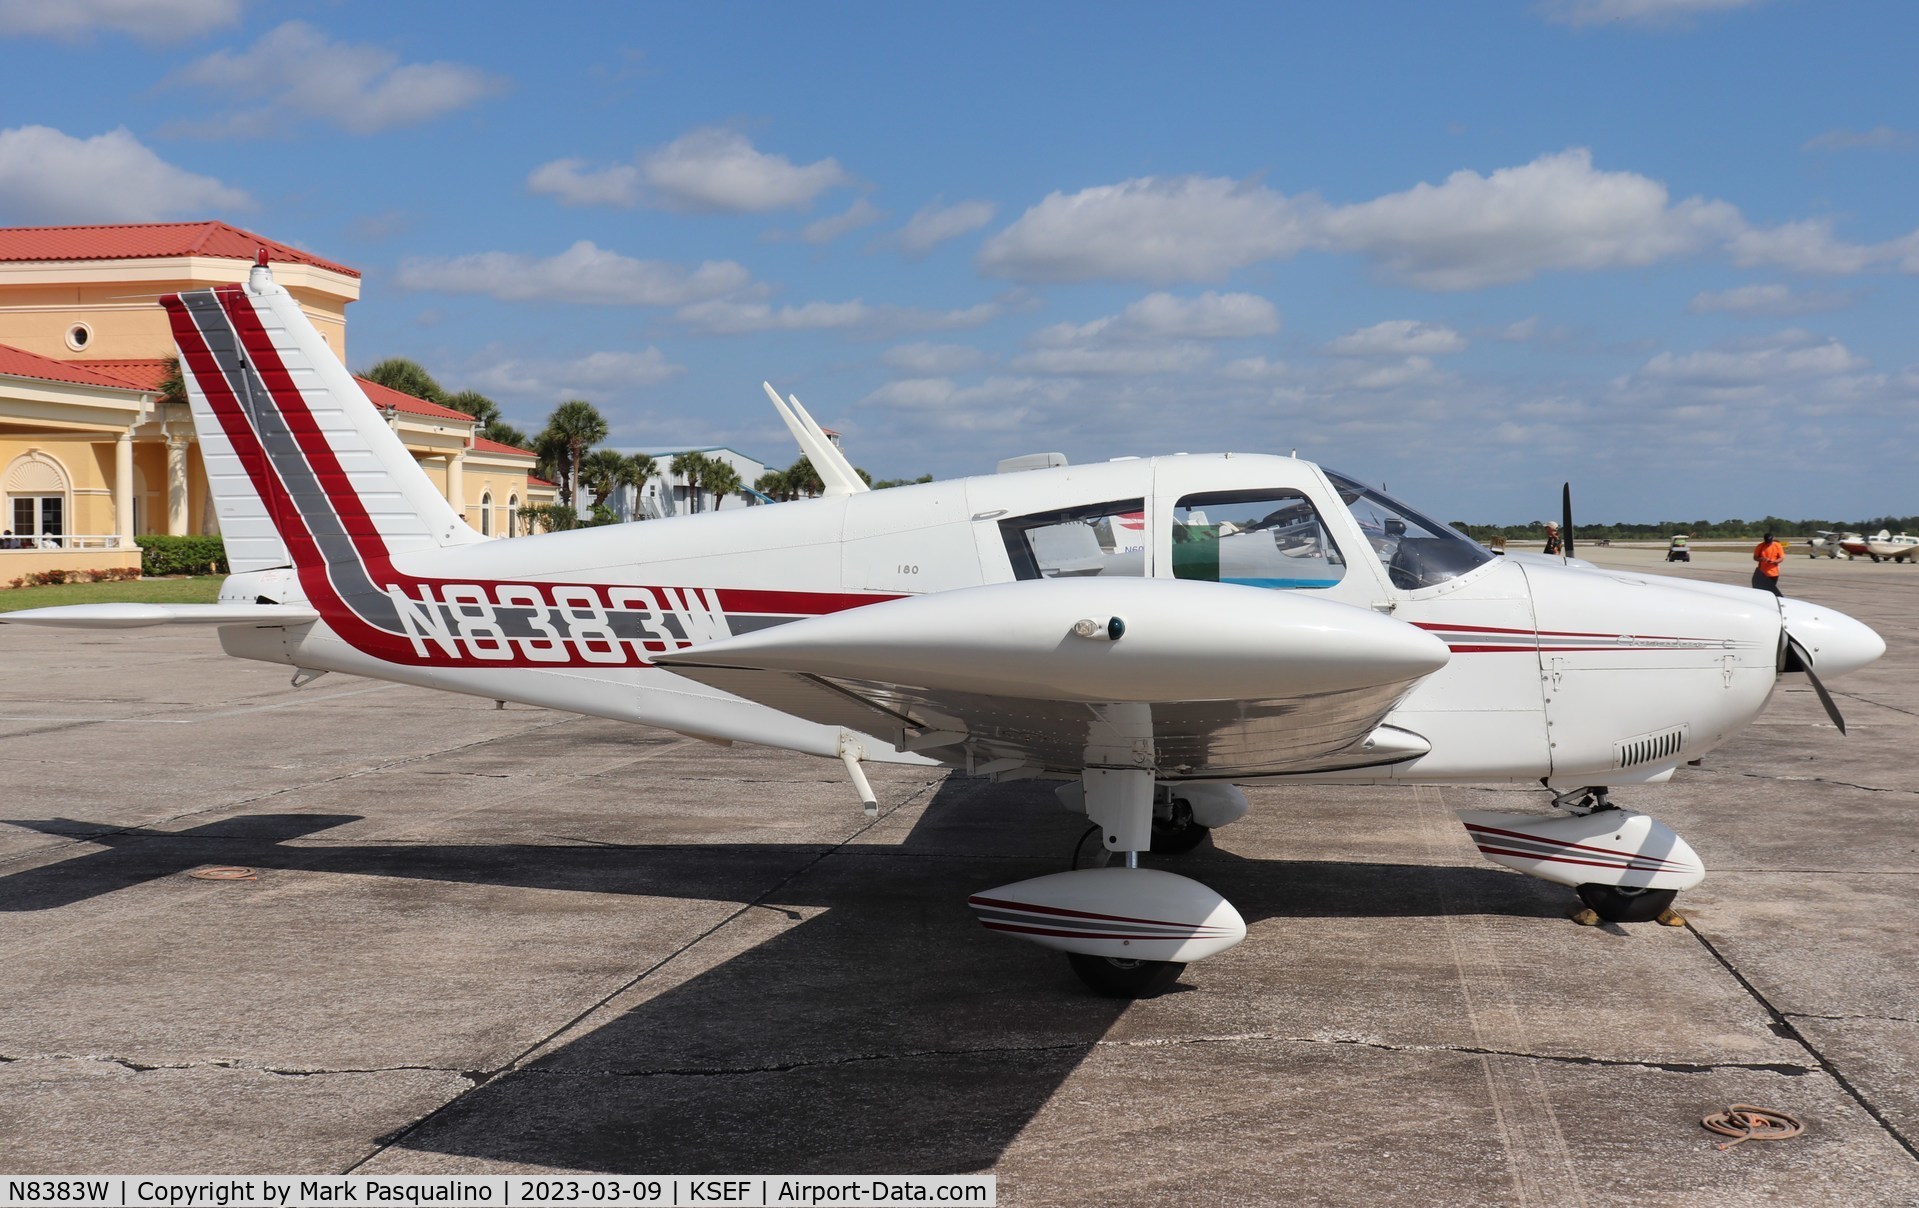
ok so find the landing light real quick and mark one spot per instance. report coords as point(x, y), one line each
point(1112, 630)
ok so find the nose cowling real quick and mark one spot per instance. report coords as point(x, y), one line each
point(1833, 641)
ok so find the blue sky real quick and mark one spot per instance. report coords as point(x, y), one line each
point(1668, 249)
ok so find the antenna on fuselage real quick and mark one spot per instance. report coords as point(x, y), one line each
point(1566, 519)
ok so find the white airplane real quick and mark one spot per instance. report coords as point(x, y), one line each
point(1832, 543)
point(1145, 631)
point(1899, 547)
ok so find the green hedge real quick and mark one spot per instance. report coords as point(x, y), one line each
point(182, 555)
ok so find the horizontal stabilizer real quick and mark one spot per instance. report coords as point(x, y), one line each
point(138, 616)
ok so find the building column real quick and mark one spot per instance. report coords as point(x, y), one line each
point(456, 482)
point(123, 489)
point(176, 485)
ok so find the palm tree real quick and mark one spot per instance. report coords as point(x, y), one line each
point(639, 469)
point(475, 404)
point(690, 467)
point(772, 484)
point(721, 479)
point(577, 425)
point(408, 377)
point(173, 383)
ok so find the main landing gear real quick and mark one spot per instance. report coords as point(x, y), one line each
point(1625, 866)
point(1128, 932)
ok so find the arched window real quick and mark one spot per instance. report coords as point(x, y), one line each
point(486, 514)
point(512, 515)
point(38, 491)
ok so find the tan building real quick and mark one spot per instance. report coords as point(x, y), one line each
point(91, 456)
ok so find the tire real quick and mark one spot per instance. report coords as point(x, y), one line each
point(1110, 977)
point(1617, 904)
point(1179, 834)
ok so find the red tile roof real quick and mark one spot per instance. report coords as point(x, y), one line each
point(18, 362)
point(142, 374)
point(384, 397)
point(482, 445)
point(534, 480)
point(150, 240)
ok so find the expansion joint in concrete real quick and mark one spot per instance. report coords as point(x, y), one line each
point(1783, 1026)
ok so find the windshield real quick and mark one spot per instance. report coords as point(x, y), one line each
point(1415, 551)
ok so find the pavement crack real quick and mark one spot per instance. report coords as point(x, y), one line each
point(1844, 784)
point(146, 1067)
point(1782, 1026)
point(1879, 1018)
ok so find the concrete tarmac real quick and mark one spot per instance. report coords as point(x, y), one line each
point(485, 941)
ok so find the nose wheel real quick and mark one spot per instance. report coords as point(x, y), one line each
point(1621, 904)
point(1115, 977)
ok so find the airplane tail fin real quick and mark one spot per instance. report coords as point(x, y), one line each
point(303, 469)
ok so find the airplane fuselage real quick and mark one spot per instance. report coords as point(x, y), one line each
point(1558, 673)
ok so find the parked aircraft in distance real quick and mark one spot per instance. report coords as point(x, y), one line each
point(1883, 545)
point(1145, 632)
point(1831, 543)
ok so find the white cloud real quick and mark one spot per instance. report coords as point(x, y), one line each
point(1399, 337)
point(1131, 360)
point(594, 373)
point(726, 316)
point(1772, 300)
point(52, 177)
point(1253, 369)
point(1164, 229)
point(298, 72)
point(1880, 138)
point(1556, 212)
point(1653, 13)
point(1805, 247)
point(999, 404)
point(934, 224)
point(573, 184)
point(1789, 354)
point(147, 20)
point(925, 360)
point(1210, 316)
point(862, 213)
point(1387, 376)
point(582, 273)
point(1164, 316)
point(715, 170)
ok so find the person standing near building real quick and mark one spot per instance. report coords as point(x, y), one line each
point(1769, 554)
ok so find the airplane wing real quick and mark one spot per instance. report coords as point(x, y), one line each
point(1055, 675)
point(137, 616)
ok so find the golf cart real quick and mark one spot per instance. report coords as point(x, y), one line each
point(1677, 551)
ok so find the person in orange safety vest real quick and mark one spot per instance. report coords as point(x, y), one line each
point(1768, 554)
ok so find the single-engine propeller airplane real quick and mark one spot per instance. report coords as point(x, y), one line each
point(1146, 631)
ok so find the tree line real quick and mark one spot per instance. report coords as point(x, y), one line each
point(566, 454)
point(1535, 530)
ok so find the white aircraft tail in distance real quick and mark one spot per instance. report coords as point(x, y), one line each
point(1146, 632)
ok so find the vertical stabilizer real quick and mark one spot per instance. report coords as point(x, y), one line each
point(304, 470)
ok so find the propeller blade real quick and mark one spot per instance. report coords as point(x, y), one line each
point(1566, 518)
point(1801, 661)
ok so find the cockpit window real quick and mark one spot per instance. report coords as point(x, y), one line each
point(1415, 551)
point(1260, 538)
point(1096, 539)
